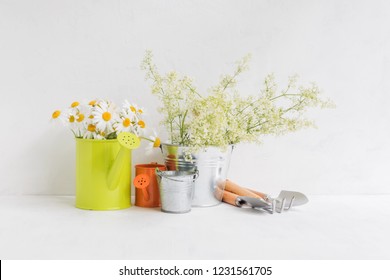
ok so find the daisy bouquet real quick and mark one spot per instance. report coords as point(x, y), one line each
point(103, 120)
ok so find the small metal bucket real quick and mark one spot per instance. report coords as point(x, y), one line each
point(176, 190)
point(212, 164)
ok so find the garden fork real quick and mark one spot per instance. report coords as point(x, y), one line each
point(239, 196)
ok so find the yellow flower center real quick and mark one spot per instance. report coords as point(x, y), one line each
point(80, 117)
point(91, 128)
point(126, 122)
point(106, 116)
point(140, 111)
point(91, 117)
point(56, 114)
point(133, 109)
point(71, 119)
point(141, 123)
point(75, 104)
point(92, 103)
point(157, 143)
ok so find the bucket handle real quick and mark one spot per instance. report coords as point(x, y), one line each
point(196, 175)
point(159, 174)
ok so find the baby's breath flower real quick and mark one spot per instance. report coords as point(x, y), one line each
point(224, 117)
point(188, 157)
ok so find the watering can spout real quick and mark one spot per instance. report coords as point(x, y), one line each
point(128, 141)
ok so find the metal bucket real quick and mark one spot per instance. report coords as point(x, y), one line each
point(176, 190)
point(212, 164)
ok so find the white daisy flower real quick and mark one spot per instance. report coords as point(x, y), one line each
point(74, 108)
point(93, 102)
point(138, 127)
point(104, 115)
point(90, 132)
point(99, 119)
point(82, 117)
point(131, 106)
point(78, 118)
point(141, 111)
point(100, 135)
point(141, 124)
point(75, 104)
point(124, 123)
point(154, 142)
point(71, 122)
point(58, 116)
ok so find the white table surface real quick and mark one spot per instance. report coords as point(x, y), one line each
point(328, 227)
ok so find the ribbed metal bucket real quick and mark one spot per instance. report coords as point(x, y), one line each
point(212, 164)
point(176, 190)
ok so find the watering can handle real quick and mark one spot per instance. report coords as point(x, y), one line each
point(114, 174)
point(127, 141)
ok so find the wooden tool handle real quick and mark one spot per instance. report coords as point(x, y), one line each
point(229, 197)
point(262, 195)
point(232, 191)
point(236, 189)
point(226, 196)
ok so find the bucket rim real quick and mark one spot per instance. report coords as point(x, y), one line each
point(163, 174)
point(152, 165)
point(179, 172)
point(191, 147)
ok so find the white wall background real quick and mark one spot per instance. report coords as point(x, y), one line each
point(55, 52)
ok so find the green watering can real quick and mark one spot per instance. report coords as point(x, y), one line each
point(103, 172)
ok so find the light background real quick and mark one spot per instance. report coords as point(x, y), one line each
point(55, 52)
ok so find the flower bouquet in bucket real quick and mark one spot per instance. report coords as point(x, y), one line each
point(203, 128)
point(105, 136)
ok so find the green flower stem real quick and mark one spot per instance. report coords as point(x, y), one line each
point(147, 139)
point(284, 95)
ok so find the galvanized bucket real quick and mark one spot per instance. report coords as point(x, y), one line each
point(176, 190)
point(212, 164)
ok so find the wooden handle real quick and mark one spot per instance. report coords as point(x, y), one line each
point(226, 196)
point(262, 195)
point(236, 189)
point(230, 198)
point(232, 191)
